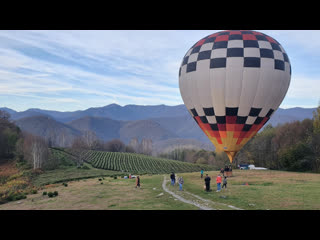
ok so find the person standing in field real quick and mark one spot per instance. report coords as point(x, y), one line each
point(222, 171)
point(207, 180)
point(138, 182)
point(218, 180)
point(225, 182)
point(201, 172)
point(181, 182)
point(173, 179)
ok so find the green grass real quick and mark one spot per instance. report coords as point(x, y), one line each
point(114, 194)
point(71, 173)
point(275, 190)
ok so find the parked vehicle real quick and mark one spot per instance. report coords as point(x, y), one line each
point(243, 166)
point(253, 167)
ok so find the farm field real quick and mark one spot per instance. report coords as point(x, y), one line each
point(136, 163)
point(265, 190)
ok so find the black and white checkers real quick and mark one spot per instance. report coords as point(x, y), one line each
point(248, 49)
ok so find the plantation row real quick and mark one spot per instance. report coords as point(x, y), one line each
point(138, 163)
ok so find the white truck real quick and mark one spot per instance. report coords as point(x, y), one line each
point(252, 167)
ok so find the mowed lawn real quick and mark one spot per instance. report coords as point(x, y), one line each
point(112, 194)
point(247, 189)
point(262, 189)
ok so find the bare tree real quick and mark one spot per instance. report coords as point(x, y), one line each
point(35, 150)
point(63, 139)
point(39, 151)
point(146, 146)
point(134, 144)
point(89, 138)
point(115, 145)
point(78, 146)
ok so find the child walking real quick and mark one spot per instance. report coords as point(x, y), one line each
point(218, 181)
point(224, 182)
point(181, 182)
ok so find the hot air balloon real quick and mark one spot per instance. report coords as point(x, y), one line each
point(232, 82)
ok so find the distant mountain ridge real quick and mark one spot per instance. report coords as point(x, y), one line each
point(167, 126)
point(139, 112)
point(113, 111)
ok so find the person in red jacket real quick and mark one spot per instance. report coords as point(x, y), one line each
point(218, 180)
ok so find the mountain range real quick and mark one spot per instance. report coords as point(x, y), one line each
point(167, 126)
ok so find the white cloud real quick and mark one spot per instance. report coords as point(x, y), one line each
point(126, 67)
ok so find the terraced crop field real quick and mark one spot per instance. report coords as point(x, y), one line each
point(138, 163)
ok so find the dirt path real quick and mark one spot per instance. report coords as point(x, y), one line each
point(201, 203)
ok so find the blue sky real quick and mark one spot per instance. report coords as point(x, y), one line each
point(75, 70)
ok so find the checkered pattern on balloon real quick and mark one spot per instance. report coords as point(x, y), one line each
point(232, 82)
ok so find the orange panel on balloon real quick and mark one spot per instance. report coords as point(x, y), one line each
point(216, 134)
point(206, 127)
point(236, 134)
point(223, 134)
point(209, 132)
point(230, 127)
point(239, 140)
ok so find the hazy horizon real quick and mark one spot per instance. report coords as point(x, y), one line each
point(57, 110)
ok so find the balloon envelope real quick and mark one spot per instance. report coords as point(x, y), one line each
point(231, 83)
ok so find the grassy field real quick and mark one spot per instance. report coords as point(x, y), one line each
point(273, 190)
point(72, 173)
point(113, 194)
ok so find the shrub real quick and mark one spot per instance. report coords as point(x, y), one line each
point(34, 191)
point(53, 194)
point(44, 193)
point(15, 196)
point(20, 196)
